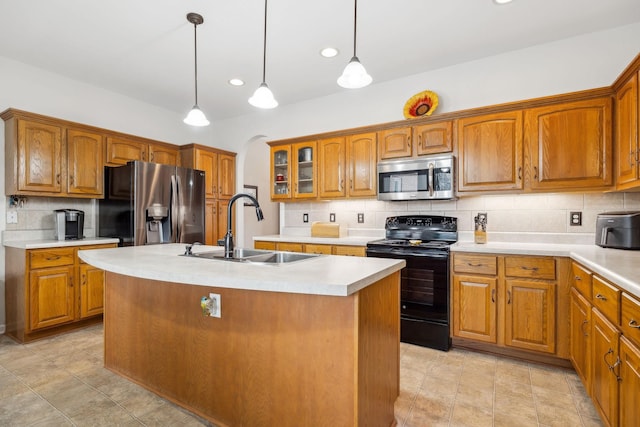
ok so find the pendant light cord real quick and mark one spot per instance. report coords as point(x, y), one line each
point(264, 47)
point(355, 25)
point(195, 48)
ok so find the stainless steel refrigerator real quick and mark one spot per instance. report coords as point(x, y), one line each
point(149, 203)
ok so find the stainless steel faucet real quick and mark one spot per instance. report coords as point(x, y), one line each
point(228, 238)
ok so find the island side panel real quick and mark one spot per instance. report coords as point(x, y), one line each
point(272, 359)
point(379, 351)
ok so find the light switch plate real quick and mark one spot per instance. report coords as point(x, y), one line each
point(216, 305)
point(360, 218)
point(332, 217)
point(305, 217)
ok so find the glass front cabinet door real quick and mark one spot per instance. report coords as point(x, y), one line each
point(280, 172)
point(305, 170)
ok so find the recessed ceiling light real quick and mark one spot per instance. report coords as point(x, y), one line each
point(236, 82)
point(502, 1)
point(329, 52)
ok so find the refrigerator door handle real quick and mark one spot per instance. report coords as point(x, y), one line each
point(175, 210)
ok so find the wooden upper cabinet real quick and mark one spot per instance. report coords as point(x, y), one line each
point(207, 161)
point(332, 171)
point(281, 172)
point(490, 152)
point(394, 143)
point(85, 162)
point(305, 170)
point(361, 169)
point(627, 129)
point(163, 154)
point(120, 151)
point(569, 145)
point(39, 157)
point(226, 176)
point(433, 138)
point(420, 140)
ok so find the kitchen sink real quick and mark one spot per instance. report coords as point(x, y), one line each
point(256, 256)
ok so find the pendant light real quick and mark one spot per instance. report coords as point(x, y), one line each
point(354, 75)
point(263, 97)
point(196, 117)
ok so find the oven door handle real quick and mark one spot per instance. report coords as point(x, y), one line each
point(401, 253)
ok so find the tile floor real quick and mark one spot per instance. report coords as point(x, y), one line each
point(60, 381)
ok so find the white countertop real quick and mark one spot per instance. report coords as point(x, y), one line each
point(321, 275)
point(616, 265)
point(51, 243)
point(348, 241)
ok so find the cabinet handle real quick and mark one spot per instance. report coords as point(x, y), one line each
point(71, 282)
point(524, 267)
point(420, 141)
point(577, 278)
point(601, 297)
point(84, 279)
point(493, 295)
point(53, 258)
point(615, 364)
point(220, 190)
point(535, 172)
point(351, 184)
point(144, 155)
point(470, 264)
point(71, 180)
point(151, 157)
point(634, 324)
point(508, 297)
point(632, 158)
point(341, 184)
point(57, 178)
point(520, 173)
point(584, 323)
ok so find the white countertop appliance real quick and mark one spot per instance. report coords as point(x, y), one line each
point(620, 230)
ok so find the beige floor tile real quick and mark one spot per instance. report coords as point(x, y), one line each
point(167, 415)
point(402, 407)
point(475, 396)
point(514, 419)
point(561, 399)
point(24, 409)
point(591, 422)
point(557, 415)
point(508, 404)
point(585, 407)
point(465, 415)
point(410, 379)
point(516, 389)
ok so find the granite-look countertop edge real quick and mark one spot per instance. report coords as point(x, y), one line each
point(52, 243)
point(621, 267)
point(322, 275)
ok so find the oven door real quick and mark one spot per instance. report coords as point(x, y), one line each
point(424, 289)
point(424, 301)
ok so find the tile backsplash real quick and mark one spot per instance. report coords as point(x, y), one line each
point(524, 217)
point(36, 218)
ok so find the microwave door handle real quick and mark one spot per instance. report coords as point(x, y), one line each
point(430, 178)
point(604, 235)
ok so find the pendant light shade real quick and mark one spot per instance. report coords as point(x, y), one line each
point(196, 117)
point(263, 97)
point(354, 75)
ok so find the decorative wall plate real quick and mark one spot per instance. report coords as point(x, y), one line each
point(420, 105)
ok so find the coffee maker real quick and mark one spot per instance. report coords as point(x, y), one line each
point(69, 224)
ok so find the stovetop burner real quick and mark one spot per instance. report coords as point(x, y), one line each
point(419, 232)
point(411, 243)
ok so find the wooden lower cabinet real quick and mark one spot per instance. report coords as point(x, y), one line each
point(321, 249)
point(511, 303)
point(604, 380)
point(474, 307)
point(580, 326)
point(48, 291)
point(605, 346)
point(629, 383)
point(51, 297)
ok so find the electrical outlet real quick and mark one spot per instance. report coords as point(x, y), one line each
point(332, 217)
point(305, 217)
point(360, 218)
point(575, 218)
point(216, 305)
point(12, 217)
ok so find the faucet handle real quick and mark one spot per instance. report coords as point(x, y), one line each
point(221, 242)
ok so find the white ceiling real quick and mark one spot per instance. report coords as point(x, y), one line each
point(144, 48)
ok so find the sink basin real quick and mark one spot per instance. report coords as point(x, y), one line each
point(256, 256)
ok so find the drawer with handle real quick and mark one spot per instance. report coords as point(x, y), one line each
point(630, 317)
point(606, 298)
point(582, 280)
point(43, 258)
point(530, 267)
point(475, 264)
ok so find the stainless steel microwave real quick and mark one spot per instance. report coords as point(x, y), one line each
point(422, 178)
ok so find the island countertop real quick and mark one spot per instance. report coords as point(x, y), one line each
point(321, 275)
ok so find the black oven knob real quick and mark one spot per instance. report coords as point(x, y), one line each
point(392, 222)
point(409, 221)
point(404, 307)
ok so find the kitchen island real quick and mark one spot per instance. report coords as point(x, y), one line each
point(309, 343)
